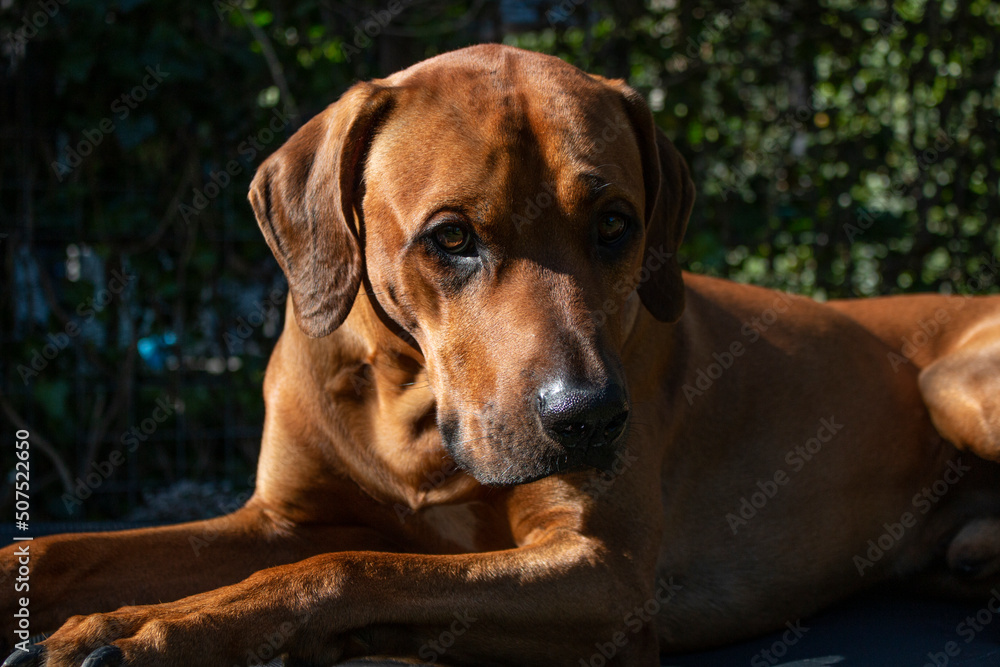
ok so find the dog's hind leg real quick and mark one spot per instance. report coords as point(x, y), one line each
point(962, 393)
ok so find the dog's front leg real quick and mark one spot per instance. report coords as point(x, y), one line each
point(546, 603)
point(86, 573)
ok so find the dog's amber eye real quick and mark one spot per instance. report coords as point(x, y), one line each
point(452, 238)
point(611, 227)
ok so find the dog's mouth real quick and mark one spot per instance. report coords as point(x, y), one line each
point(599, 458)
point(499, 454)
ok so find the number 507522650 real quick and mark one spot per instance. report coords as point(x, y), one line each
point(21, 480)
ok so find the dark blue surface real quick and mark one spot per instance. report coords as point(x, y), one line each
point(874, 630)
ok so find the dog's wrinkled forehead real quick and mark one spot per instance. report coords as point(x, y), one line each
point(487, 125)
point(508, 83)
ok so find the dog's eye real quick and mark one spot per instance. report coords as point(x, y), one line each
point(453, 239)
point(611, 227)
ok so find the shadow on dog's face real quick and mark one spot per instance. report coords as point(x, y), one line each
point(505, 214)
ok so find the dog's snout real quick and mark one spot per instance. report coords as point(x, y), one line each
point(583, 415)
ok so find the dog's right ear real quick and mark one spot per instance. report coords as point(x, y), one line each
point(669, 198)
point(304, 199)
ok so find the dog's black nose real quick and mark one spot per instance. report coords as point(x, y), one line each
point(583, 415)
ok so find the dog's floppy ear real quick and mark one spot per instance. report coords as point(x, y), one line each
point(304, 199)
point(669, 199)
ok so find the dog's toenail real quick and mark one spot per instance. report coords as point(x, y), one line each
point(106, 656)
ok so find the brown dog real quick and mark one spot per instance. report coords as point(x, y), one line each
point(487, 306)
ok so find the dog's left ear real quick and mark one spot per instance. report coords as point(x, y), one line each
point(669, 199)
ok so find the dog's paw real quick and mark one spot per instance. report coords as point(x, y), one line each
point(211, 629)
point(149, 635)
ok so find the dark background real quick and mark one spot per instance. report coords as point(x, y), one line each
point(840, 149)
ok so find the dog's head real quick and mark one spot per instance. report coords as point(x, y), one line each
point(510, 212)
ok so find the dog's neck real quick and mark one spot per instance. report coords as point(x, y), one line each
point(371, 384)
